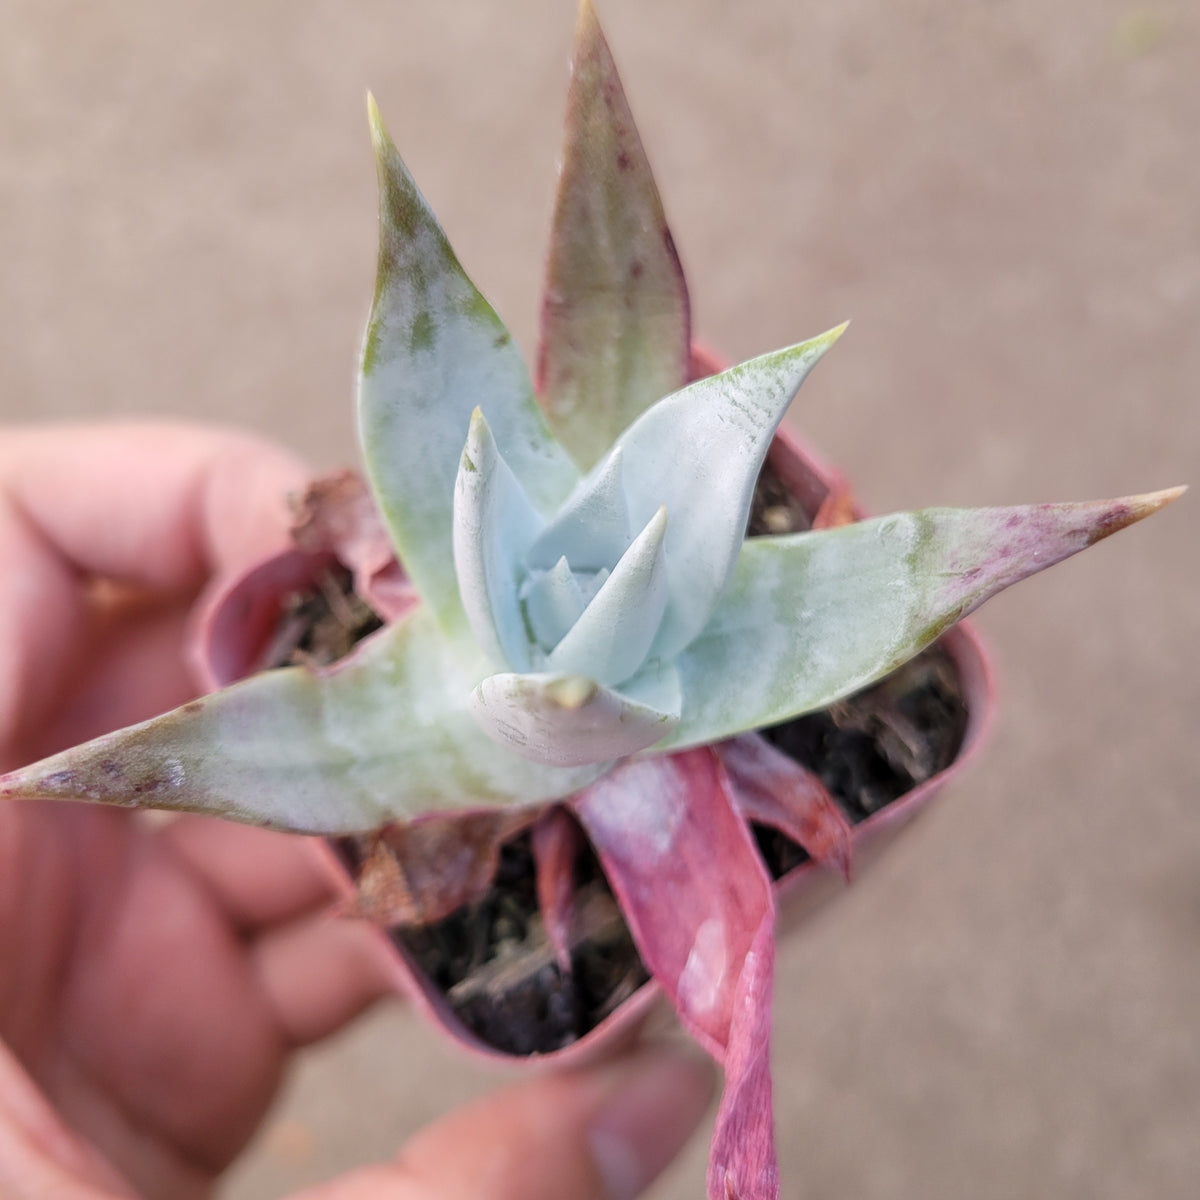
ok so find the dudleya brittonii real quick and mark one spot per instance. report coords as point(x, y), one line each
point(593, 630)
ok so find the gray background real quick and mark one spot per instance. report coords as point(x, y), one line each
point(1006, 200)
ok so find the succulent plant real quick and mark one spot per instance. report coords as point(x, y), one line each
point(594, 629)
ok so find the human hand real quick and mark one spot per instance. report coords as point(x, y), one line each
point(154, 979)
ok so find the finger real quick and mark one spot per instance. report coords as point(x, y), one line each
point(158, 504)
point(39, 1156)
point(320, 973)
point(599, 1134)
point(44, 627)
point(130, 668)
point(258, 877)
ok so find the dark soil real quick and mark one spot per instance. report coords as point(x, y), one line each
point(492, 959)
point(496, 966)
point(322, 624)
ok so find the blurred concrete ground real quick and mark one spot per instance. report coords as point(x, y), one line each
point(1006, 200)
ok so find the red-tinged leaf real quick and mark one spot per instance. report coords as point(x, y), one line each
point(837, 509)
point(422, 871)
point(742, 1163)
point(336, 514)
point(557, 840)
point(688, 877)
point(808, 618)
point(615, 321)
point(775, 790)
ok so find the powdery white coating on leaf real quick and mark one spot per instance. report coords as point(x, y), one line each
point(553, 601)
point(638, 809)
point(593, 528)
point(385, 737)
point(699, 452)
point(434, 351)
point(567, 720)
point(494, 526)
point(613, 634)
point(812, 617)
point(701, 979)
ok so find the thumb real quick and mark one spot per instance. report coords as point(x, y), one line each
point(598, 1134)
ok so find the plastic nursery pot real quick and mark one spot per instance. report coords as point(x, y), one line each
point(883, 754)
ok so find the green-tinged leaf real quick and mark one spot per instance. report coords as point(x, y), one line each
point(615, 322)
point(434, 351)
point(613, 635)
point(494, 525)
point(699, 452)
point(570, 720)
point(385, 737)
point(812, 617)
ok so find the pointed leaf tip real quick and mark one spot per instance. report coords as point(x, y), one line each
point(378, 132)
point(587, 24)
point(1131, 509)
point(434, 349)
point(912, 576)
point(571, 692)
point(615, 313)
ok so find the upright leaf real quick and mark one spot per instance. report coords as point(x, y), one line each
point(434, 351)
point(612, 635)
point(494, 525)
point(699, 453)
point(615, 320)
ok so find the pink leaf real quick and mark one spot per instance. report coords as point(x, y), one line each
point(337, 514)
point(556, 844)
point(693, 888)
point(775, 790)
point(741, 1162)
point(688, 878)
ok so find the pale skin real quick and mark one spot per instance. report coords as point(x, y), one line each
point(136, 1059)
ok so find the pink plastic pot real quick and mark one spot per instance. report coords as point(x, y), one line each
point(235, 629)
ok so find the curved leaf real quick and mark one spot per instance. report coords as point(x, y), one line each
point(615, 321)
point(553, 602)
point(613, 634)
point(592, 529)
point(434, 350)
point(384, 737)
point(494, 525)
point(570, 720)
point(689, 879)
point(699, 453)
point(812, 617)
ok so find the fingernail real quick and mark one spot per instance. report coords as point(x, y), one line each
point(645, 1120)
